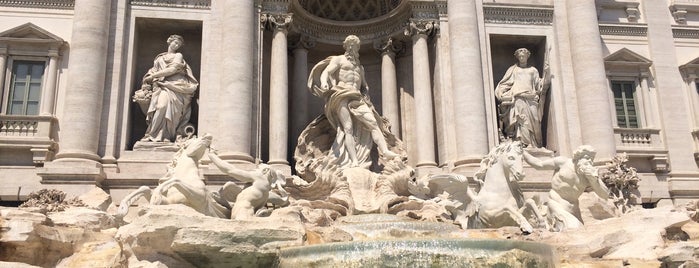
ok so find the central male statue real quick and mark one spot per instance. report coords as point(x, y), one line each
point(341, 82)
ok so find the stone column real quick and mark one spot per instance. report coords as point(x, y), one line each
point(279, 93)
point(648, 113)
point(80, 122)
point(467, 84)
point(389, 85)
point(590, 78)
point(234, 131)
point(49, 91)
point(299, 95)
point(424, 125)
point(3, 66)
point(694, 95)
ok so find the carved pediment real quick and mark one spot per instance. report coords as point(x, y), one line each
point(29, 33)
point(626, 57)
point(690, 68)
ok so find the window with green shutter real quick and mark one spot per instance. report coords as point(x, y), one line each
point(625, 104)
point(25, 87)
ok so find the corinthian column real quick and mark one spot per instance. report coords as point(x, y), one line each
point(590, 78)
point(234, 131)
point(424, 132)
point(299, 96)
point(279, 93)
point(467, 83)
point(80, 121)
point(389, 85)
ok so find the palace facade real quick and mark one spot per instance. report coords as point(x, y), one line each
point(623, 79)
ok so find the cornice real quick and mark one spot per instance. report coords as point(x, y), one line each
point(48, 4)
point(624, 29)
point(527, 15)
point(191, 4)
point(685, 32)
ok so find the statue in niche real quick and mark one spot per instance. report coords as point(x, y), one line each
point(520, 93)
point(570, 179)
point(333, 151)
point(341, 82)
point(166, 94)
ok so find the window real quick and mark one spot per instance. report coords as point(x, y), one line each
point(624, 104)
point(25, 87)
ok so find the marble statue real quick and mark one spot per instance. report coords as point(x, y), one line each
point(333, 152)
point(341, 82)
point(520, 93)
point(183, 184)
point(500, 201)
point(570, 179)
point(250, 199)
point(166, 94)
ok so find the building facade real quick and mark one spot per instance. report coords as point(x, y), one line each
point(623, 79)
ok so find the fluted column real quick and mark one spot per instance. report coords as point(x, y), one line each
point(49, 91)
point(80, 122)
point(299, 95)
point(467, 83)
point(590, 78)
point(424, 125)
point(234, 131)
point(389, 85)
point(279, 92)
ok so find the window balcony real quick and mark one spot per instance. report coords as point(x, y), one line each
point(33, 133)
point(643, 143)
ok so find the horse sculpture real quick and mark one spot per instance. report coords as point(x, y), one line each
point(183, 184)
point(500, 201)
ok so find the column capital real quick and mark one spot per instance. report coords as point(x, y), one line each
point(388, 46)
point(426, 27)
point(3, 51)
point(302, 42)
point(277, 21)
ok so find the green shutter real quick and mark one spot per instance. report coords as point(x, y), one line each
point(25, 87)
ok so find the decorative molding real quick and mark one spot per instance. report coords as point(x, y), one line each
point(48, 4)
point(424, 10)
point(629, 6)
point(680, 9)
point(690, 33)
point(422, 27)
point(279, 21)
point(624, 29)
point(191, 4)
point(389, 46)
point(275, 6)
point(518, 15)
point(334, 32)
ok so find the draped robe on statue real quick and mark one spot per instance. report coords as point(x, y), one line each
point(170, 106)
point(361, 110)
point(520, 112)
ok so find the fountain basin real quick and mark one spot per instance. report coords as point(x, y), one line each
point(422, 253)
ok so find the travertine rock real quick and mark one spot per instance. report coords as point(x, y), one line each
point(637, 235)
point(96, 198)
point(177, 235)
point(96, 254)
point(678, 253)
point(83, 217)
point(593, 208)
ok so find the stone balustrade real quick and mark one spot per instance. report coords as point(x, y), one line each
point(642, 143)
point(35, 133)
point(196, 4)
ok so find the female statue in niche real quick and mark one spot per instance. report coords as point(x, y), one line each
point(520, 93)
point(166, 94)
